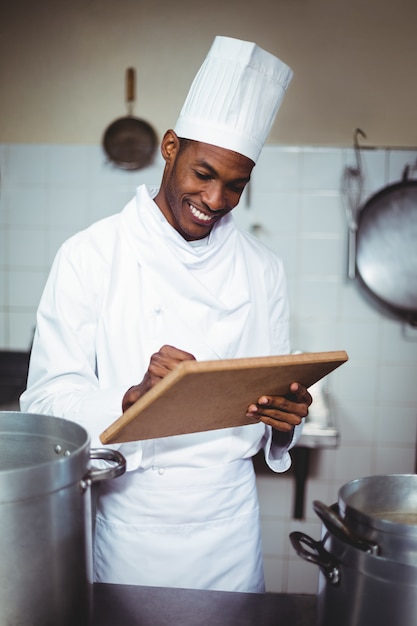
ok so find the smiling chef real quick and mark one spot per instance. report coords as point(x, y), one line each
point(172, 278)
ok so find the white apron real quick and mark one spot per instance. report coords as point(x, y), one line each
point(218, 547)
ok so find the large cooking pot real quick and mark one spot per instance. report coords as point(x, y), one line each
point(356, 587)
point(45, 519)
point(383, 509)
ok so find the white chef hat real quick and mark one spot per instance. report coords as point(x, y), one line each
point(234, 98)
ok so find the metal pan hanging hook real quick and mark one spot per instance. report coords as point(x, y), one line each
point(352, 187)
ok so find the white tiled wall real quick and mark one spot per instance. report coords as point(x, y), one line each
point(297, 208)
point(48, 192)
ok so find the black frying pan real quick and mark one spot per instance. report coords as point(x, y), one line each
point(386, 248)
point(130, 143)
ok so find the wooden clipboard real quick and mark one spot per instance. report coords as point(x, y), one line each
point(206, 395)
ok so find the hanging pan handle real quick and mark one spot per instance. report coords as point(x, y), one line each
point(337, 527)
point(130, 88)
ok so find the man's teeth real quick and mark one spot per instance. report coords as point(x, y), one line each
point(199, 215)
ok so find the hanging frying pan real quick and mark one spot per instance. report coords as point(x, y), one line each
point(130, 143)
point(386, 248)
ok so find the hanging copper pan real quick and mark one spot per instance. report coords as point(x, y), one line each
point(129, 142)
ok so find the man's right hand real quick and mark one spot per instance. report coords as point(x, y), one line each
point(162, 362)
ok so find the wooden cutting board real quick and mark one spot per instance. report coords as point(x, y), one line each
point(206, 395)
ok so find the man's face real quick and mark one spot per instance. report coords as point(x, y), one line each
point(201, 183)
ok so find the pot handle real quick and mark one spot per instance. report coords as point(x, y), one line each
point(337, 527)
point(105, 454)
point(317, 554)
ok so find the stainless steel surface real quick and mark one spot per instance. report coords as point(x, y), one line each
point(45, 520)
point(125, 605)
point(386, 251)
point(357, 588)
point(381, 239)
point(319, 436)
point(375, 507)
point(386, 246)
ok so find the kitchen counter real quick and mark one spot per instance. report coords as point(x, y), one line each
point(125, 605)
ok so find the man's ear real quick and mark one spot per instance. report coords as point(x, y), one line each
point(170, 146)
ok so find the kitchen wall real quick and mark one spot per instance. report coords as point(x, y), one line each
point(62, 65)
point(49, 191)
point(62, 82)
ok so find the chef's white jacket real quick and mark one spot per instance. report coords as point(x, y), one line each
point(185, 514)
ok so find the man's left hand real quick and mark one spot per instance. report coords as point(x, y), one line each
point(282, 412)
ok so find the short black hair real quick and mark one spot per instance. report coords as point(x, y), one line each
point(184, 144)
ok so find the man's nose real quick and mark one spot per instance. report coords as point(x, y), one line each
point(215, 197)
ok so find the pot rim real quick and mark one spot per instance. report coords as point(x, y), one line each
point(43, 477)
point(356, 517)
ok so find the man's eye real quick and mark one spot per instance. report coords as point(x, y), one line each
point(202, 175)
point(237, 189)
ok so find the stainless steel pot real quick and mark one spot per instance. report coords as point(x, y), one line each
point(357, 588)
point(383, 509)
point(45, 519)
